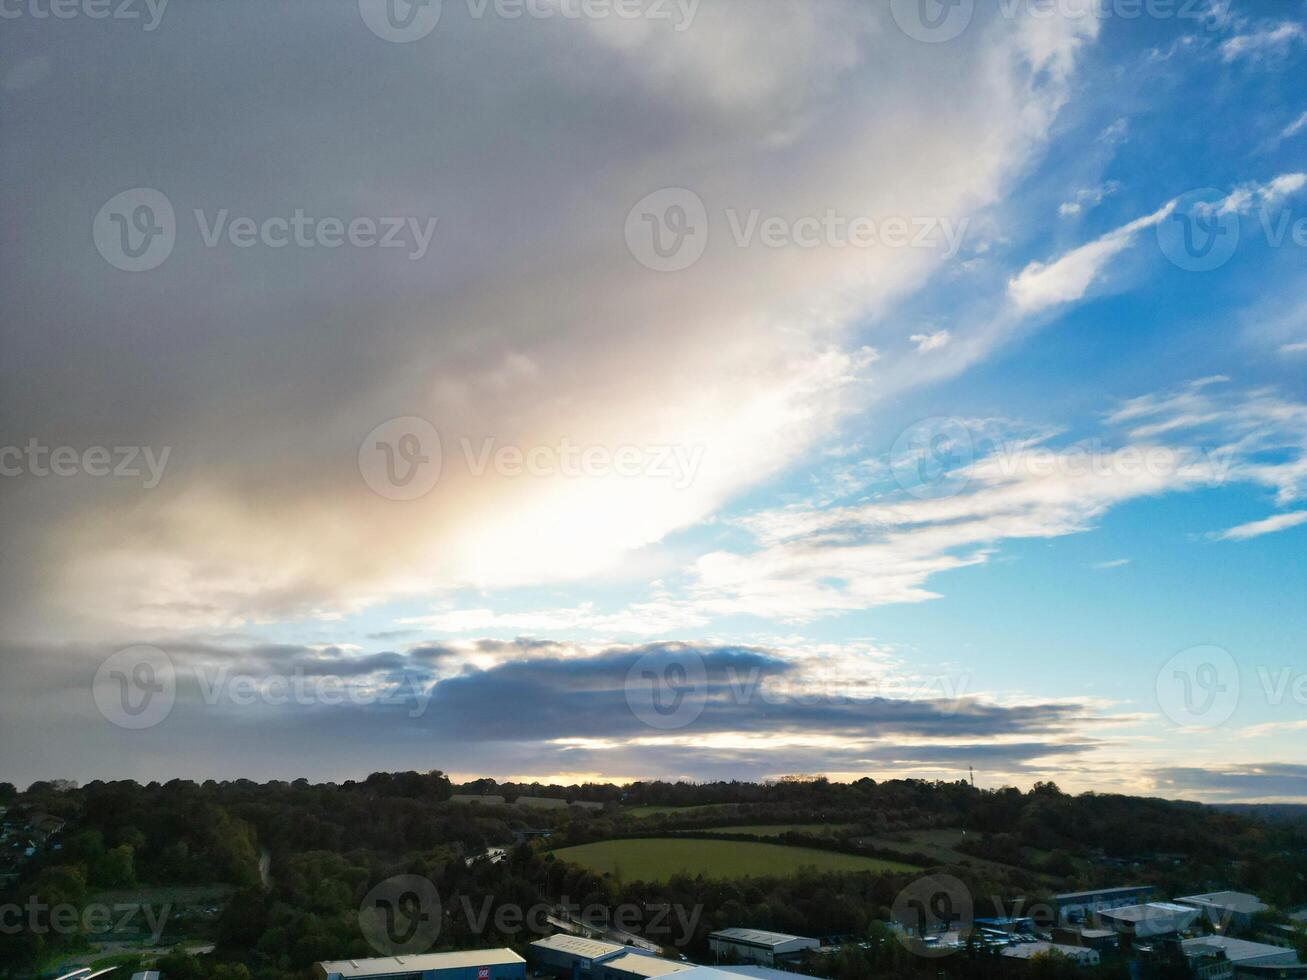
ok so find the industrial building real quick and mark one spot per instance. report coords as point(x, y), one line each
point(1225, 909)
point(1073, 907)
point(1079, 955)
point(1102, 940)
point(471, 964)
point(638, 966)
point(758, 946)
point(565, 955)
point(1150, 920)
point(1249, 960)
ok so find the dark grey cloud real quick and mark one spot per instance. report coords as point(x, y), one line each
point(1235, 783)
point(544, 708)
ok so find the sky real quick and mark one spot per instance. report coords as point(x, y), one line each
point(577, 390)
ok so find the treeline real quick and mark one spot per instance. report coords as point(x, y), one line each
point(329, 844)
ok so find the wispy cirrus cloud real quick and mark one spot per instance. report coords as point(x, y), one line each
point(1269, 525)
point(1042, 286)
point(1264, 42)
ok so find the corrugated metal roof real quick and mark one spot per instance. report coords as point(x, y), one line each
point(578, 945)
point(646, 966)
point(388, 965)
point(759, 937)
point(1068, 896)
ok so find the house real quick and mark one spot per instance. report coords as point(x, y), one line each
point(44, 826)
point(758, 946)
point(1225, 909)
point(472, 964)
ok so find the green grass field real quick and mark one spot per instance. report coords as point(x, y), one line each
point(657, 859)
point(658, 811)
point(775, 830)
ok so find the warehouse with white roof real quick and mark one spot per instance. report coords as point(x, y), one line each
point(470, 964)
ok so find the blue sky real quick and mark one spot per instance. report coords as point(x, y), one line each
point(1024, 492)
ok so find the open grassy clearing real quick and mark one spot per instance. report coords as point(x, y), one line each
point(775, 830)
point(657, 859)
point(658, 811)
point(939, 843)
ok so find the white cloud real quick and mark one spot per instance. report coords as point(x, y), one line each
point(1116, 132)
point(1066, 279)
point(1295, 127)
point(812, 560)
point(746, 355)
point(1088, 197)
point(930, 341)
point(1115, 563)
point(1269, 525)
point(1265, 42)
